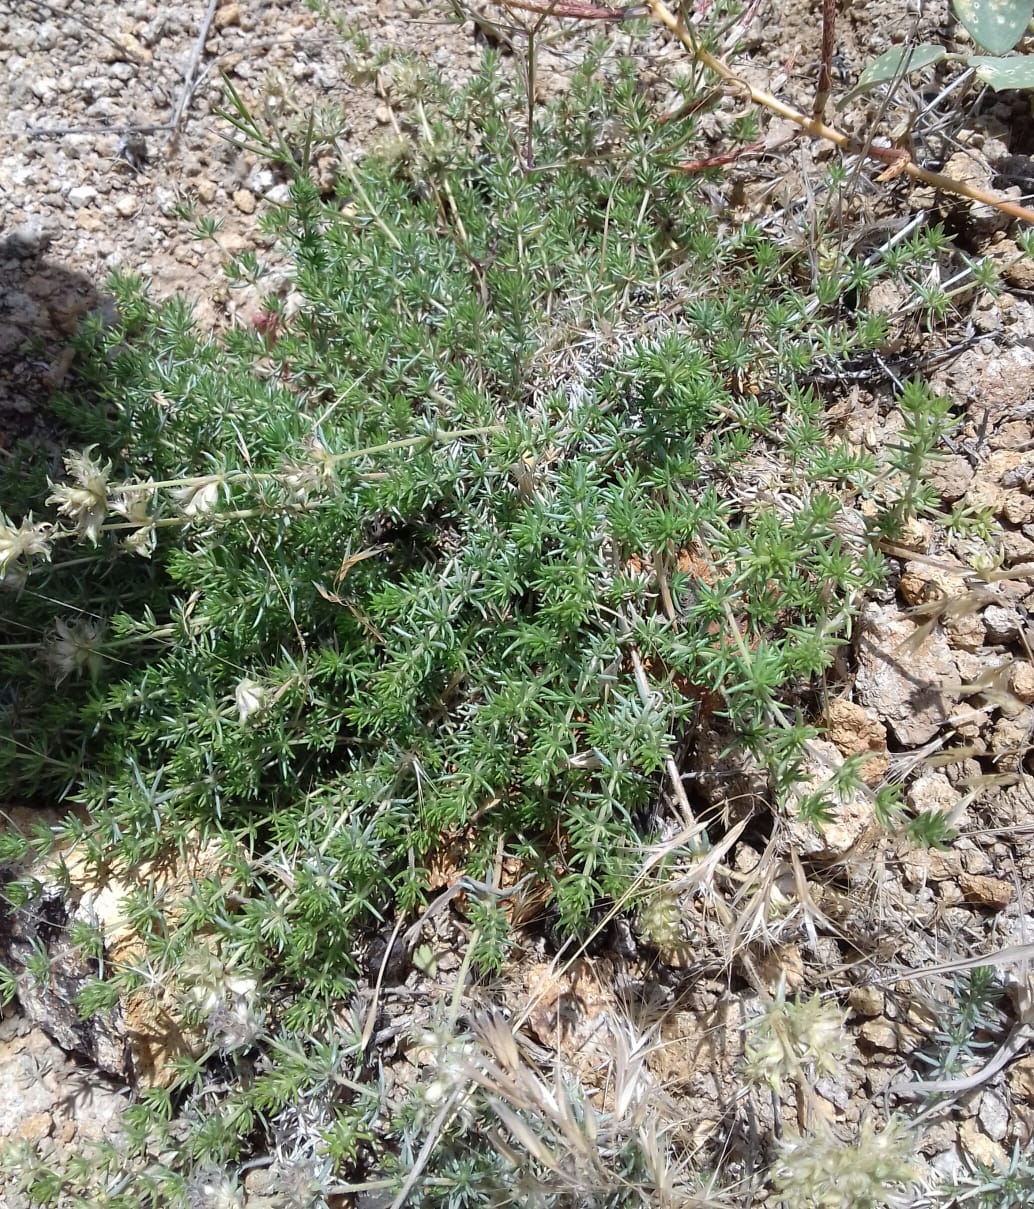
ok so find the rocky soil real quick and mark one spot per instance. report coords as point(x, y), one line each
point(109, 130)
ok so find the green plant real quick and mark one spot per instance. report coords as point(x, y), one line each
point(969, 520)
point(1002, 1185)
point(997, 27)
point(925, 419)
point(967, 1024)
point(8, 985)
point(449, 554)
point(40, 1182)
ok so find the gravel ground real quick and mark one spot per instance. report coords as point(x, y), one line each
point(109, 126)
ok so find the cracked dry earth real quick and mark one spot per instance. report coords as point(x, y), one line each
point(94, 167)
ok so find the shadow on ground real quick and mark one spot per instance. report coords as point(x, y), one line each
point(42, 304)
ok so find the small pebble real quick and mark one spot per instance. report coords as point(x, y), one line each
point(36, 1127)
point(1021, 681)
point(994, 1115)
point(244, 200)
point(866, 1001)
point(880, 1034)
point(981, 891)
point(82, 195)
point(229, 14)
point(260, 180)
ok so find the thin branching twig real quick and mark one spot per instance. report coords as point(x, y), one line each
point(897, 162)
point(190, 76)
point(817, 128)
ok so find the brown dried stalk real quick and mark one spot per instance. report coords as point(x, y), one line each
point(818, 129)
point(897, 161)
point(829, 17)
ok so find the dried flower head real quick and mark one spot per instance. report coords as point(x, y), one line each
point(214, 1190)
point(300, 1181)
point(228, 1001)
point(19, 546)
point(523, 474)
point(133, 506)
point(240, 1023)
point(251, 699)
point(199, 497)
point(448, 1058)
point(313, 474)
point(213, 985)
point(74, 647)
point(660, 919)
point(85, 500)
point(404, 78)
point(821, 1172)
point(394, 149)
point(789, 1036)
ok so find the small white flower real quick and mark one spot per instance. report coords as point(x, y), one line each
point(313, 475)
point(141, 541)
point(301, 481)
point(252, 699)
point(74, 647)
point(214, 1190)
point(238, 1024)
point(447, 1058)
point(227, 999)
point(200, 497)
point(18, 546)
point(85, 499)
point(240, 985)
point(205, 974)
point(133, 506)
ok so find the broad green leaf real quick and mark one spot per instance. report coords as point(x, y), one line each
point(889, 66)
point(996, 25)
point(1014, 72)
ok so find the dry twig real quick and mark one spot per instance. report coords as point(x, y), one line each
point(818, 128)
point(897, 161)
point(190, 76)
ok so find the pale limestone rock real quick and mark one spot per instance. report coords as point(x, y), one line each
point(1021, 681)
point(900, 682)
point(981, 891)
point(855, 731)
point(227, 15)
point(244, 200)
point(933, 793)
point(880, 1034)
point(139, 1038)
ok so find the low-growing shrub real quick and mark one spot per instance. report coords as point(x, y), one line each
point(517, 479)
